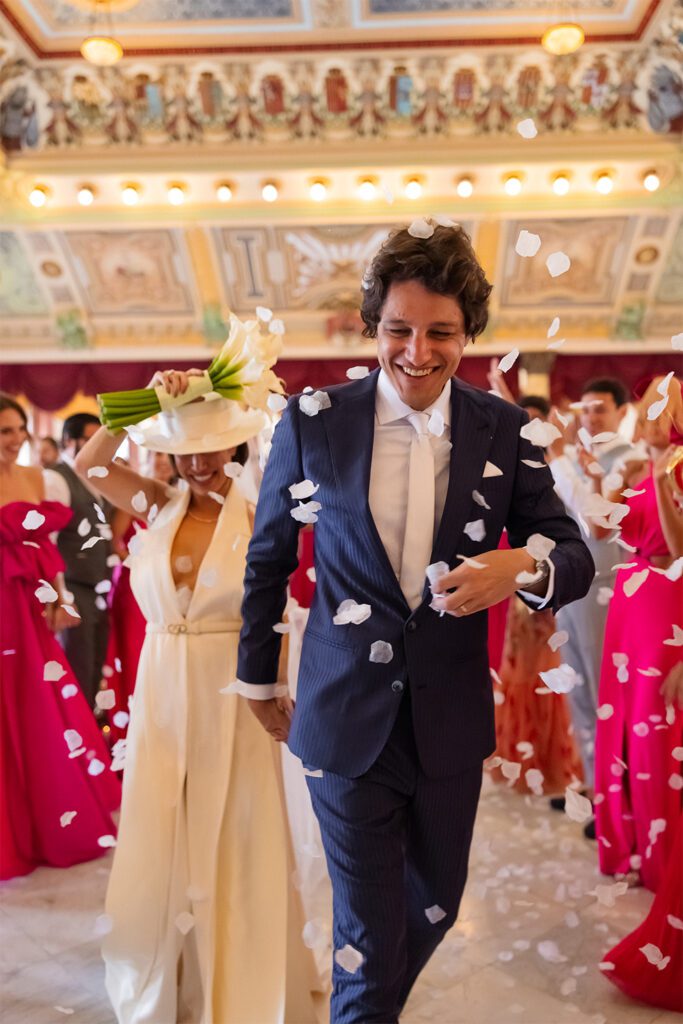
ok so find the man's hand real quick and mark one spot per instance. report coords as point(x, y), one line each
point(672, 687)
point(274, 715)
point(480, 588)
point(556, 448)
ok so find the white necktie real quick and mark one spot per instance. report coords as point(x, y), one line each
point(419, 535)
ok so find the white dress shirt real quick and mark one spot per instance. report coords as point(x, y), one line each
point(389, 469)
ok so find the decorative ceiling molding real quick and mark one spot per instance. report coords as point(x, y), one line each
point(304, 26)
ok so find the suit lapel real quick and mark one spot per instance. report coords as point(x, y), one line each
point(472, 425)
point(350, 427)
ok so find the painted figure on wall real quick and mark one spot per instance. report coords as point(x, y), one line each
point(368, 120)
point(400, 91)
point(336, 91)
point(121, 126)
point(181, 123)
point(665, 95)
point(595, 84)
point(431, 119)
point(273, 93)
point(464, 85)
point(528, 85)
point(306, 123)
point(88, 100)
point(61, 129)
point(18, 121)
point(495, 115)
point(623, 111)
point(243, 124)
point(560, 113)
point(210, 95)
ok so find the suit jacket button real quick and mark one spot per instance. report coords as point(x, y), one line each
point(412, 626)
point(397, 686)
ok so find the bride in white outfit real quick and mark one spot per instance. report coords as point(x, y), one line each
point(206, 927)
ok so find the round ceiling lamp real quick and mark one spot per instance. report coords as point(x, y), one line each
point(100, 47)
point(563, 38)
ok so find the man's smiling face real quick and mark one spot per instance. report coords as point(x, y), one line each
point(420, 341)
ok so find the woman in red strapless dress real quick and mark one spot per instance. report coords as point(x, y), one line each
point(56, 790)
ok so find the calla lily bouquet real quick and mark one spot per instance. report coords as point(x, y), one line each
point(242, 371)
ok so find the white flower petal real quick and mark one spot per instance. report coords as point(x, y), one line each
point(96, 767)
point(106, 842)
point(508, 361)
point(33, 520)
point(491, 470)
point(66, 818)
point(357, 372)
point(53, 671)
point(481, 500)
point(184, 922)
point(475, 530)
point(420, 228)
point(233, 470)
point(561, 679)
point(527, 128)
point(677, 342)
point(70, 690)
point(46, 593)
point(527, 244)
point(381, 652)
point(539, 432)
point(577, 807)
point(305, 489)
point(98, 471)
point(550, 951)
point(276, 403)
point(350, 612)
point(554, 327)
point(105, 699)
point(435, 914)
point(349, 959)
point(539, 546)
point(634, 582)
point(557, 263)
point(558, 639)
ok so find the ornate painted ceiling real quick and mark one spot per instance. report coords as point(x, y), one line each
point(56, 26)
point(292, 91)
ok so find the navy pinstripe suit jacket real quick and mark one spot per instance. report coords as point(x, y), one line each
point(346, 705)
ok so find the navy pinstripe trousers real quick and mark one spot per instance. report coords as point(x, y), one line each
point(397, 844)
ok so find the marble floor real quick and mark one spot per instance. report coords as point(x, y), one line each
point(526, 947)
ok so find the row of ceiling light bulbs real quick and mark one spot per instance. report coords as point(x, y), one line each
point(368, 188)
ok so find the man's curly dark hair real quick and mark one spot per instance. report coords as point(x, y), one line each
point(444, 263)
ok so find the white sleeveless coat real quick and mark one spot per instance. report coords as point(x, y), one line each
point(205, 926)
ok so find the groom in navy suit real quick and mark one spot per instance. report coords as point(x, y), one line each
point(407, 467)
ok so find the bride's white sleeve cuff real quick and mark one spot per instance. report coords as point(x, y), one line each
point(256, 692)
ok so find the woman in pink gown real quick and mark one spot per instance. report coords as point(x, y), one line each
point(639, 734)
point(56, 790)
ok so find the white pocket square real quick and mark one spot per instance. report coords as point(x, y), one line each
point(491, 470)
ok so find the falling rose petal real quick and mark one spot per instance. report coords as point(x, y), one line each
point(281, 627)
point(481, 500)
point(635, 581)
point(654, 955)
point(276, 403)
point(534, 780)
point(606, 965)
point(70, 690)
point(539, 546)
point(73, 739)
point(310, 574)
point(99, 512)
point(350, 612)
point(420, 228)
point(91, 542)
point(435, 571)
point(66, 1010)
point(103, 587)
point(33, 520)
point(677, 342)
point(663, 385)
point(558, 639)
point(641, 729)
point(532, 464)
point(675, 922)
point(96, 767)
point(527, 128)
point(98, 471)
point(554, 327)
point(475, 530)
point(53, 671)
point(106, 842)
point(277, 327)
point(70, 610)
point(527, 244)
point(46, 593)
point(305, 489)
point(558, 343)
point(84, 528)
point(312, 404)
point(121, 719)
point(218, 498)
point(524, 578)
point(657, 408)
point(184, 922)
point(264, 314)
point(568, 986)
point(357, 372)
point(605, 711)
point(313, 934)
point(605, 595)
point(306, 512)
point(525, 748)
point(349, 959)
point(103, 925)
point(233, 470)
point(183, 564)
point(508, 361)
point(435, 914)
point(675, 782)
point(66, 818)
point(558, 263)
point(677, 753)
point(381, 652)
point(607, 895)
point(577, 807)
point(444, 221)
point(208, 577)
point(436, 424)
point(313, 773)
point(540, 433)
point(472, 562)
point(490, 469)
point(105, 699)
point(511, 770)
point(549, 950)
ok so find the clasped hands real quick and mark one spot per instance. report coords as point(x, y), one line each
point(474, 589)
point(275, 715)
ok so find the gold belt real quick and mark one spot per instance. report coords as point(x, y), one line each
point(194, 628)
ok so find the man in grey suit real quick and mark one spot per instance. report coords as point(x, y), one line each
point(87, 570)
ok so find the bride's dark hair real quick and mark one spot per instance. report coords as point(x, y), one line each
point(7, 402)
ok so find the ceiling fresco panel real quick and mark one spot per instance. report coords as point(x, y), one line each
point(145, 12)
point(20, 292)
point(596, 248)
point(124, 273)
point(670, 290)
